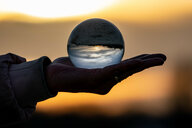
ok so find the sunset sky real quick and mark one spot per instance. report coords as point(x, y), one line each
point(36, 28)
point(128, 10)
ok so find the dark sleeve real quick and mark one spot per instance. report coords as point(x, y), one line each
point(21, 87)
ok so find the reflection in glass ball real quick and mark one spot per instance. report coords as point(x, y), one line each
point(95, 43)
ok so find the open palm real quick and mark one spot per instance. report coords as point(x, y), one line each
point(63, 76)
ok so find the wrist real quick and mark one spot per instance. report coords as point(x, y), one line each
point(29, 82)
point(49, 78)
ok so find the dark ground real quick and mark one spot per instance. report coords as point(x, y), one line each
point(176, 120)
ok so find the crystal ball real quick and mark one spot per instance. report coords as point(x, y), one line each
point(95, 43)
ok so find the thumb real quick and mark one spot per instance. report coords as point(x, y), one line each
point(63, 60)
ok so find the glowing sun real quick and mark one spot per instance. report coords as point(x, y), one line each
point(54, 8)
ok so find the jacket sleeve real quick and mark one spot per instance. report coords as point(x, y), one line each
point(22, 85)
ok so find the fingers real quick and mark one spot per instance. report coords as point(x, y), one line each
point(144, 65)
point(106, 76)
point(124, 66)
point(162, 56)
point(133, 65)
point(111, 75)
point(147, 63)
point(63, 60)
point(147, 56)
point(139, 56)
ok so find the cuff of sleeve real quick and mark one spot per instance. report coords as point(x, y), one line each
point(29, 82)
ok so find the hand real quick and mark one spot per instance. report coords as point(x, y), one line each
point(63, 76)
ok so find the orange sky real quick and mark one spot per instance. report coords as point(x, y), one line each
point(153, 87)
point(126, 10)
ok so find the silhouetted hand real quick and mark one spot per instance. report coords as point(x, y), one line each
point(63, 76)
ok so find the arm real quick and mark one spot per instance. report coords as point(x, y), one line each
point(22, 85)
point(27, 83)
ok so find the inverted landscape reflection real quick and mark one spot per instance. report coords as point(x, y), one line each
point(97, 56)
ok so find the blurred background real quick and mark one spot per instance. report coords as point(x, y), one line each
point(159, 97)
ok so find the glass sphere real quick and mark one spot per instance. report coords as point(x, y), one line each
point(95, 43)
